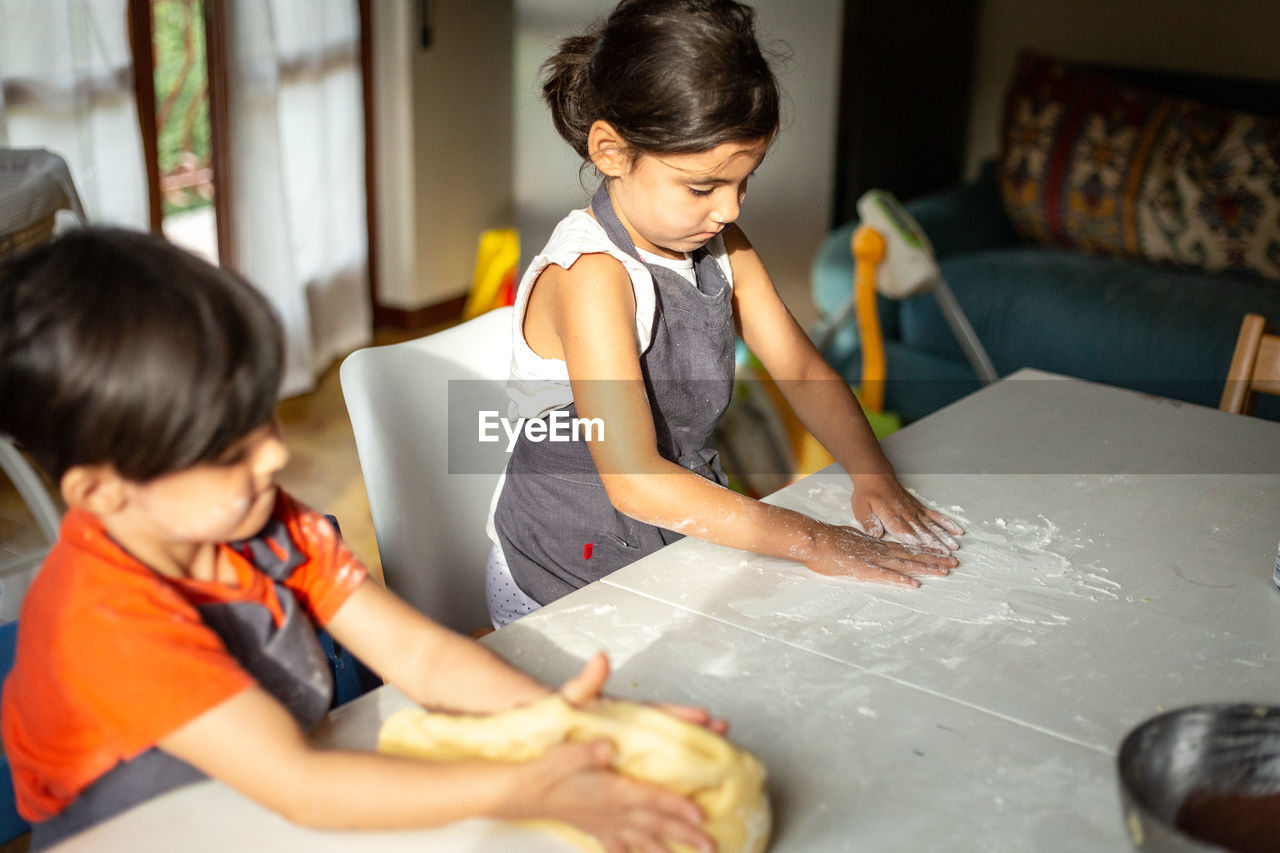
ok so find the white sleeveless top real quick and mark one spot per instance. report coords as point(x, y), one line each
point(538, 385)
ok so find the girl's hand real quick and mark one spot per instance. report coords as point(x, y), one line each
point(848, 552)
point(585, 689)
point(572, 782)
point(881, 505)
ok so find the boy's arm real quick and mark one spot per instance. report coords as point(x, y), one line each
point(432, 665)
point(445, 671)
point(253, 744)
point(823, 402)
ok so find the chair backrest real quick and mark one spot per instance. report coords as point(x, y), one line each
point(11, 823)
point(35, 185)
point(1255, 367)
point(408, 402)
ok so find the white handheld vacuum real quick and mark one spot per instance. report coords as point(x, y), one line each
point(894, 257)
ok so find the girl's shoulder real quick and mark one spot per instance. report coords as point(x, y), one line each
point(580, 234)
point(577, 234)
point(577, 237)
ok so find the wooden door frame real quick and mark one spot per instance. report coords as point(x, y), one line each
point(217, 40)
point(370, 155)
point(141, 41)
point(142, 45)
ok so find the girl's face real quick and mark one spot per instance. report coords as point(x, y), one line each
point(222, 501)
point(672, 204)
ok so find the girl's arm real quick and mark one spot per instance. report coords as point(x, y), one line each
point(823, 402)
point(251, 743)
point(591, 309)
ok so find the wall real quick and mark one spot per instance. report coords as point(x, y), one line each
point(904, 99)
point(787, 207)
point(456, 177)
point(444, 144)
point(1234, 38)
point(390, 63)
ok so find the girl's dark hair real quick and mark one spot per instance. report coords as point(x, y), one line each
point(117, 347)
point(671, 76)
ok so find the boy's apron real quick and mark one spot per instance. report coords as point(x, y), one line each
point(286, 661)
point(556, 526)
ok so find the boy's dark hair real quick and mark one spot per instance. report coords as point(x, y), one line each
point(117, 347)
point(671, 76)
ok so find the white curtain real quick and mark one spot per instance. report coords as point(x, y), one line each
point(66, 84)
point(297, 187)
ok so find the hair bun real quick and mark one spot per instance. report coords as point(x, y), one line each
point(669, 76)
point(567, 89)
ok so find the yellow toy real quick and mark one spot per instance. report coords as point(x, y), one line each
point(493, 283)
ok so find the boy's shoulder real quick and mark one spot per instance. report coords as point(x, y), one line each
point(85, 555)
point(84, 570)
point(87, 571)
point(89, 609)
point(87, 578)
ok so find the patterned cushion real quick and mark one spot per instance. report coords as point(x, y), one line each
point(1093, 163)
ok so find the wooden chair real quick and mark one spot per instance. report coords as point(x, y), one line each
point(1255, 367)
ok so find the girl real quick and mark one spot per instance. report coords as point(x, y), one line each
point(169, 633)
point(629, 315)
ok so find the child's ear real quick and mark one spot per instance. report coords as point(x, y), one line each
point(607, 149)
point(98, 489)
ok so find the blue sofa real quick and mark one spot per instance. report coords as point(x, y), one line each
point(1152, 327)
point(1163, 331)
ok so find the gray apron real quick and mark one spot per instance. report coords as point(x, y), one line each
point(556, 526)
point(286, 661)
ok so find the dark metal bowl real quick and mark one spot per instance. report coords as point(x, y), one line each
point(1203, 778)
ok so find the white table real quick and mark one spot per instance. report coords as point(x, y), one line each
point(1117, 564)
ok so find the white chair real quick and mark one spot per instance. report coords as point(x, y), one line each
point(409, 402)
point(35, 185)
point(44, 508)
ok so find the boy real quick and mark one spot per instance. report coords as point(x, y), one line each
point(169, 634)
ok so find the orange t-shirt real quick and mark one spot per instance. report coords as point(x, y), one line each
point(112, 657)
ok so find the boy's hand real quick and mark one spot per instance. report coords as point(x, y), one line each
point(881, 505)
point(697, 716)
point(572, 782)
point(585, 689)
point(848, 552)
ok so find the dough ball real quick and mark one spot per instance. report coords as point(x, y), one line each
point(726, 782)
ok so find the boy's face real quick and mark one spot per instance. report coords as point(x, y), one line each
point(221, 501)
point(672, 204)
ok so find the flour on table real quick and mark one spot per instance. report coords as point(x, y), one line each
point(600, 627)
point(1002, 559)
